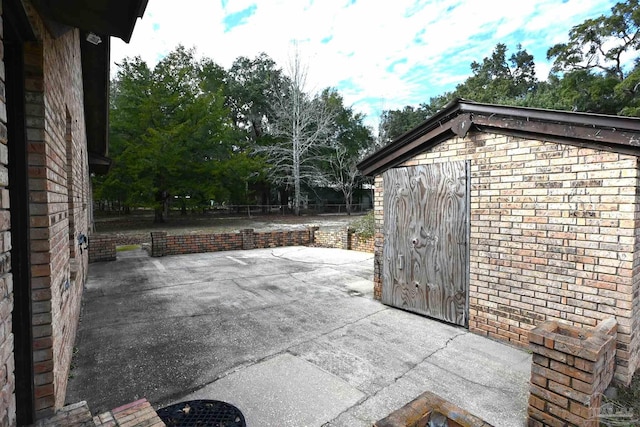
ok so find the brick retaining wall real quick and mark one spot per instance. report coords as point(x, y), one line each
point(198, 243)
point(162, 244)
point(343, 239)
point(103, 247)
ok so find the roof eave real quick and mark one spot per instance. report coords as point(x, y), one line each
point(611, 133)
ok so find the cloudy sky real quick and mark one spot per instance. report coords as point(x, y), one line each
point(379, 54)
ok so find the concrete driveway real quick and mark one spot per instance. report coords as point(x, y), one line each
point(291, 336)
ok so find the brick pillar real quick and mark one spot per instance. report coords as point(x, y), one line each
point(247, 238)
point(312, 234)
point(158, 243)
point(102, 248)
point(346, 238)
point(570, 370)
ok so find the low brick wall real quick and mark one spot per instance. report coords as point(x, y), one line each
point(162, 244)
point(343, 239)
point(571, 368)
point(358, 243)
point(198, 243)
point(102, 248)
point(328, 239)
point(132, 239)
point(282, 238)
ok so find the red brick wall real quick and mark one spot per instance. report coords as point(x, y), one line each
point(272, 239)
point(59, 196)
point(553, 229)
point(102, 248)
point(199, 243)
point(7, 378)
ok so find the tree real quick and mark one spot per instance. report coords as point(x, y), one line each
point(497, 80)
point(349, 140)
point(494, 80)
point(600, 43)
point(129, 108)
point(169, 134)
point(595, 63)
point(299, 128)
point(394, 123)
point(252, 88)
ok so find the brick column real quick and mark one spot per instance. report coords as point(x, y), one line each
point(571, 368)
point(346, 238)
point(247, 238)
point(102, 248)
point(312, 234)
point(158, 243)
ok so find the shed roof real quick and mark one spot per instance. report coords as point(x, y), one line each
point(599, 131)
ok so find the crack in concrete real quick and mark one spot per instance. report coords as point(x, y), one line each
point(397, 378)
point(273, 355)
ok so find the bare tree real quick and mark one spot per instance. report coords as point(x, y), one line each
point(350, 140)
point(343, 174)
point(300, 128)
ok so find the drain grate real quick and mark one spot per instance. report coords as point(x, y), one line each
point(202, 413)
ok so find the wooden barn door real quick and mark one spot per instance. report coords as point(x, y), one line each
point(426, 240)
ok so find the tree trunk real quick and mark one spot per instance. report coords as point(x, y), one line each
point(159, 209)
point(158, 216)
point(296, 177)
point(348, 198)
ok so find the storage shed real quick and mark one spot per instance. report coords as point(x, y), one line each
point(497, 218)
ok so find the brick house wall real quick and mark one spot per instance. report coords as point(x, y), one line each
point(553, 229)
point(58, 182)
point(43, 114)
point(7, 378)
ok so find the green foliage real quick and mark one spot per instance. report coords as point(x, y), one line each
point(348, 143)
point(497, 80)
point(125, 248)
point(170, 132)
point(601, 43)
point(188, 132)
point(394, 123)
point(365, 226)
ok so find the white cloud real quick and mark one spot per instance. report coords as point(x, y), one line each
point(439, 38)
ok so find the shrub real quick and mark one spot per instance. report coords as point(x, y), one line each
point(365, 226)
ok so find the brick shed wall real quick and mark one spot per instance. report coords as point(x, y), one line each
point(59, 200)
point(7, 378)
point(553, 229)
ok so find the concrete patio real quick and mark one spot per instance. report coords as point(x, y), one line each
point(291, 336)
